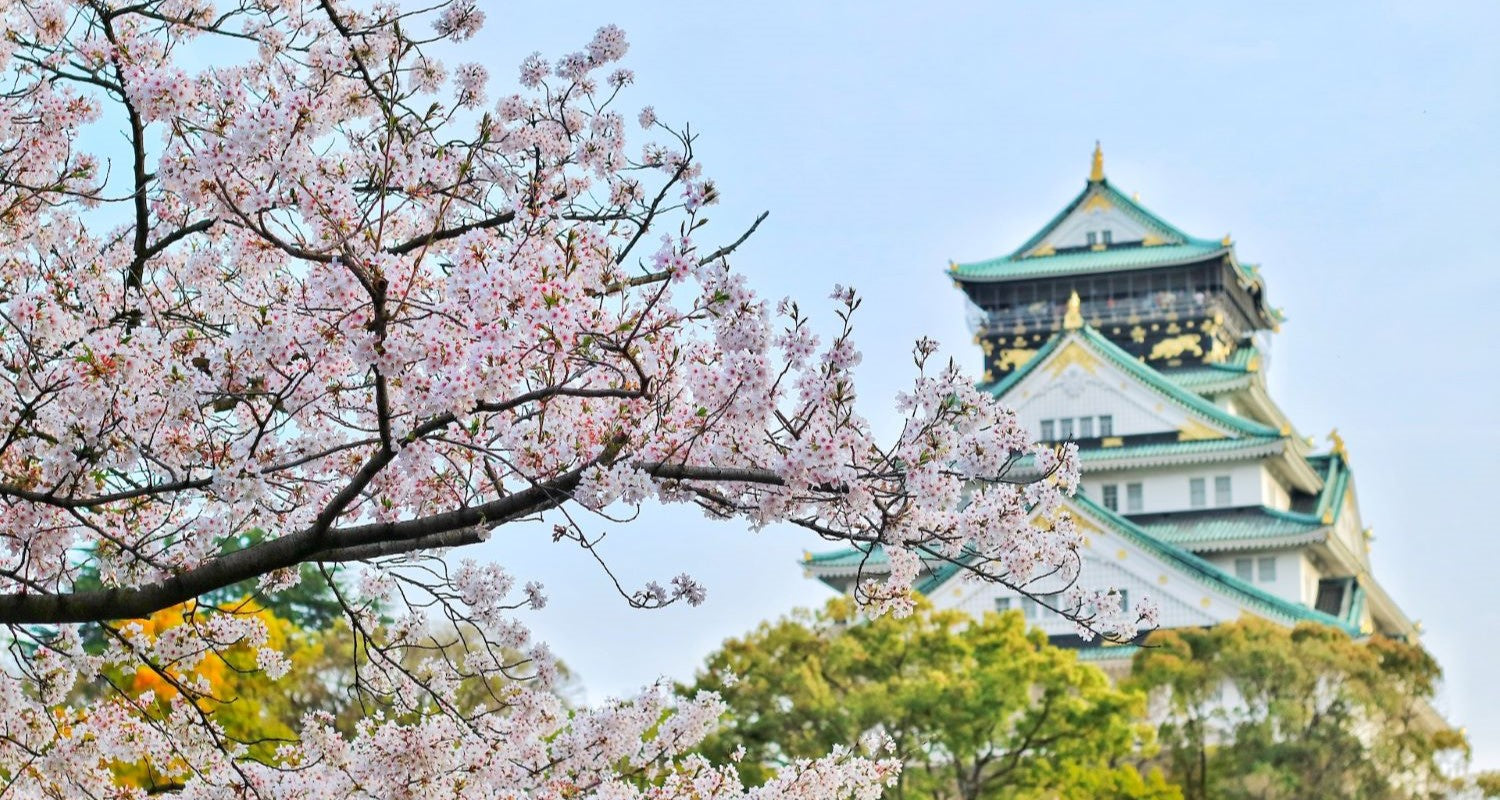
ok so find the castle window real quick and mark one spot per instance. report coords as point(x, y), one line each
point(1002, 604)
point(1109, 237)
point(1244, 569)
point(1112, 496)
point(1093, 238)
point(1124, 599)
point(1135, 499)
point(1085, 427)
point(1047, 430)
point(1106, 425)
point(1197, 493)
point(1065, 429)
point(1267, 569)
point(1028, 608)
point(1223, 496)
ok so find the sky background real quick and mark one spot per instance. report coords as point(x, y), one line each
point(1349, 149)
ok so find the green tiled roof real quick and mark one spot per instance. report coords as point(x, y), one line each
point(1176, 248)
point(1335, 485)
point(1083, 262)
point(1216, 450)
point(854, 557)
point(1156, 380)
point(1229, 374)
point(1209, 381)
point(1216, 447)
point(1232, 525)
point(850, 557)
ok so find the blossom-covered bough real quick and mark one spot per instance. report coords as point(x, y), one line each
point(278, 288)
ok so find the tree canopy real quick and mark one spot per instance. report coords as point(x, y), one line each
point(1253, 710)
point(977, 709)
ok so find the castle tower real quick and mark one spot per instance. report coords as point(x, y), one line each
point(1153, 290)
point(1113, 329)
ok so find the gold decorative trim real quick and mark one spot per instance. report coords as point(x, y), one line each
point(1073, 318)
point(1338, 444)
point(1014, 358)
point(1176, 346)
point(1074, 353)
point(1192, 431)
point(1112, 441)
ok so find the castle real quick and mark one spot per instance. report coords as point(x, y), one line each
point(1147, 347)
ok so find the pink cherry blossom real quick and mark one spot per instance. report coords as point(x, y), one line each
point(318, 311)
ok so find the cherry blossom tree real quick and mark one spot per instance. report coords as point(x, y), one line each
point(279, 289)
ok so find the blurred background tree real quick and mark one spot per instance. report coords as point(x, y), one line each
point(1254, 710)
point(978, 709)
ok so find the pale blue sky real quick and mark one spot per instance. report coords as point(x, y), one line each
point(1348, 147)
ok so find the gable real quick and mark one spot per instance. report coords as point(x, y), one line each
point(1081, 349)
point(1097, 212)
point(1075, 380)
point(1100, 207)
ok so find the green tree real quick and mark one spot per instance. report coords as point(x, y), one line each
point(978, 710)
point(1254, 710)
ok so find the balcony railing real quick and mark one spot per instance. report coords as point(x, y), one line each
point(1154, 307)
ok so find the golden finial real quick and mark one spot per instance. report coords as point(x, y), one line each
point(1073, 319)
point(1226, 241)
point(1338, 444)
point(1097, 173)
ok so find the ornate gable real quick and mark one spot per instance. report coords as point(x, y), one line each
point(1081, 374)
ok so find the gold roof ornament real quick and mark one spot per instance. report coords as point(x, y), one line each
point(1338, 444)
point(1073, 318)
point(1096, 173)
point(1226, 241)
